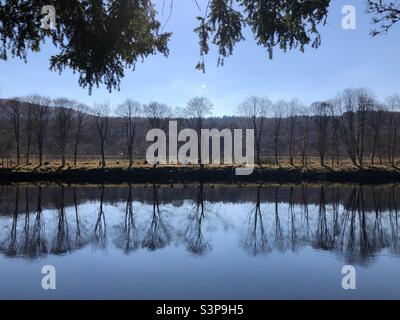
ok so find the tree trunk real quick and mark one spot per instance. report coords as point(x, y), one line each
point(40, 158)
point(130, 161)
point(75, 153)
point(130, 154)
point(258, 154)
point(373, 151)
point(28, 151)
point(63, 158)
point(18, 154)
point(103, 159)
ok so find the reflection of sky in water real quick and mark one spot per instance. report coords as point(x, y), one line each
point(198, 249)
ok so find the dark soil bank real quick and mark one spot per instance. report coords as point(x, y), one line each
point(191, 174)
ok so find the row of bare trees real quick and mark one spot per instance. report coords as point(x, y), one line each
point(349, 125)
point(71, 118)
point(32, 116)
point(353, 125)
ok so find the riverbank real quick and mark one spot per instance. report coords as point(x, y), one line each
point(212, 174)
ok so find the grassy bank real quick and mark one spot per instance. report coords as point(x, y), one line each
point(115, 173)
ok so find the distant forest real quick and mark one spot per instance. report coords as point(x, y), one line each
point(354, 127)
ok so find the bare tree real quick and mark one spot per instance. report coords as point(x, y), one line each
point(355, 104)
point(255, 110)
point(321, 110)
point(101, 113)
point(376, 121)
point(393, 104)
point(347, 103)
point(335, 124)
point(366, 102)
point(196, 110)
point(14, 116)
point(278, 110)
point(304, 133)
point(63, 121)
point(28, 130)
point(41, 115)
point(81, 111)
point(155, 112)
point(130, 111)
point(178, 112)
point(293, 108)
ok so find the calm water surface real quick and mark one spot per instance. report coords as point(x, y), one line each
point(200, 241)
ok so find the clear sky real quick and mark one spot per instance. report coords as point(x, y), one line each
point(346, 58)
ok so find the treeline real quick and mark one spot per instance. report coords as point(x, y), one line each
point(354, 126)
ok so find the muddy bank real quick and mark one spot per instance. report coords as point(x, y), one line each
point(193, 174)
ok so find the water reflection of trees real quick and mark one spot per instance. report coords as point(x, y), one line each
point(255, 240)
point(324, 238)
point(127, 233)
point(356, 225)
point(99, 237)
point(157, 235)
point(38, 242)
point(12, 245)
point(62, 241)
point(80, 231)
point(350, 230)
point(194, 233)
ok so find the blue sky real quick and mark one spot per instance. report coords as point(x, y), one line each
point(346, 58)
